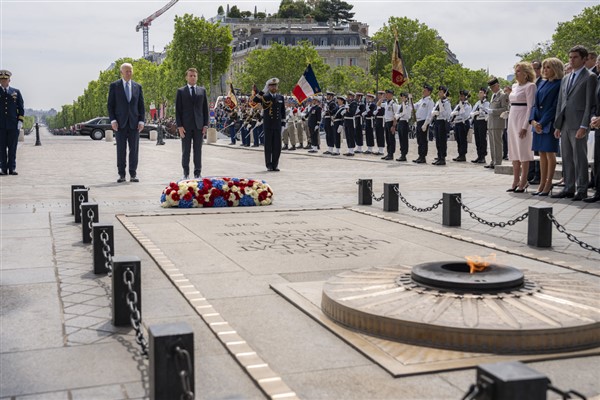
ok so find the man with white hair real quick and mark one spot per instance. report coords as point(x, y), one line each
point(273, 119)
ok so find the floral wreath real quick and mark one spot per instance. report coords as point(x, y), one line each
point(216, 192)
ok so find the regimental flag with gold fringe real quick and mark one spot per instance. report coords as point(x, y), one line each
point(399, 75)
point(307, 86)
point(251, 101)
point(231, 100)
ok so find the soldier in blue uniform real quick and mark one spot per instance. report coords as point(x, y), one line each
point(273, 119)
point(11, 121)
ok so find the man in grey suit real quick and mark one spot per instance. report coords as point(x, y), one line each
point(572, 124)
point(191, 116)
point(127, 115)
point(498, 105)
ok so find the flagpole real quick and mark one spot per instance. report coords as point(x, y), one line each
point(412, 104)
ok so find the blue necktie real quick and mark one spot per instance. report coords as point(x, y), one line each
point(127, 91)
point(571, 80)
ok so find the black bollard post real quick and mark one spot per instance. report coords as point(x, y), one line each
point(121, 314)
point(539, 227)
point(171, 361)
point(364, 192)
point(73, 187)
point(100, 232)
point(80, 196)
point(89, 214)
point(390, 197)
point(511, 380)
point(451, 209)
point(37, 135)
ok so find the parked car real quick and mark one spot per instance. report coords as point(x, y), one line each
point(96, 128)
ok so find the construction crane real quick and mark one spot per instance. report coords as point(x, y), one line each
point(145, 24)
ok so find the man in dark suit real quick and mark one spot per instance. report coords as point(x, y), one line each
point(273, 119)
point(576, 99)
point(595, 123)
point(191, 115)
point(126, 112)
point(11, 120)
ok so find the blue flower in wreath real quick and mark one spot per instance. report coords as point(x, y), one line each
point(220, 202)
point(200, 185)
point(217, 183)
point(183, 203)
point(236, 180)
point(163, 198)
point(247, 201)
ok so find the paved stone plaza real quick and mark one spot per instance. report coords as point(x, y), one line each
point(247, 279)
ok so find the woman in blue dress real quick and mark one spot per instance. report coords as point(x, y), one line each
point(542, 122)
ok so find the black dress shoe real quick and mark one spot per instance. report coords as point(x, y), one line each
point(276, 169)
point(134, 179)
point(121, 179)
point(481, 161)
point(579, 196)
point(197, 176)
point(349, 154)
point(335, 154)
point(3, 172)
point(441, 161)
point(292, 148)
point(326, 152)
point(401, 158)
point(368, 152)
point(459, 159)
point(491, 166)
point(562, 195)
point(475, 161)
point(384, 157)
point(13, 173)
point(388, 158)
point(593, 199)
point(420, 161)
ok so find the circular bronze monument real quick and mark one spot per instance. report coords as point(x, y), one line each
point(442, 305)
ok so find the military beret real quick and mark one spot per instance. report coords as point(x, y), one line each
point(5, 74)
point(493, 81)
point(428, 87)
point(389, 91)
point(272, 81)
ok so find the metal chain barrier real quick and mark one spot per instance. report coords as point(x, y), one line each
point(106, 252)
point(570, 236)
point(418, 209)
point(136, 318)
point(183, 364)
point(372, 195)
point(90, 215)
point(81, 199)
point(492, 224)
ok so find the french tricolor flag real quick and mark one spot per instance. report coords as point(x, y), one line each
point(307, 85)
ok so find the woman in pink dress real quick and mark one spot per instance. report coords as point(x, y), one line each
point(520, 137)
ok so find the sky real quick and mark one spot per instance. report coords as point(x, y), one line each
point(54, 48)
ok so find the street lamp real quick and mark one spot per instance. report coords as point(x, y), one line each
point(211, 50)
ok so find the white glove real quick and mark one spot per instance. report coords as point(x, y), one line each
point(504, 115)
point(436, 113)
point(19, 125)
point(453, 113)
point(340, 129)
point(424, 128)
point(474, 113)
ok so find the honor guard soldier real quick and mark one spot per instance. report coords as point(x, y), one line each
point(498, 105)
point(11, 121)
point(441, 116)
point(424, 108)
point(338, 124)
point(480, 116)
point(379, 128)
point(460, 117)
point(273, 117)
point(369, 116)
point(349, 124)
point(391, 111)
point(358, 122)
point(403, 116)
point(329, 108)
point(314, 121)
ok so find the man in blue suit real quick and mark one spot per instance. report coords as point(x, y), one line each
point(11, 120)
point(126, 112)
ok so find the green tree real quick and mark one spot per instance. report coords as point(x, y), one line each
point(284, 62)
point(234, 12)
point(293, 9)
point(199, 44)
point(220, 10)
point(337, 10)
point(345, 78)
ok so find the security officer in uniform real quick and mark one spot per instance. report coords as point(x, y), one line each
point(273, 119)
point(441, 114)
point(314, 121)
point(424, 108)
point(329, 108)
point(11, 121)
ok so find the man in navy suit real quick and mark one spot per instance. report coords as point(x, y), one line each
point(126, 112)
point(191, 115)
point(11, 120)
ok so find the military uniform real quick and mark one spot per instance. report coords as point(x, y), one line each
point(460, 116)
point(273, 116)
point(314, 121)
point(369, 116)
point(480, 116)
point(403, 116)
point(338, 125)
point(358, 122)
point(424, 108)
point(391, 108)
point(11, 116)
point(349, 124)
point(379, 128)
point(441, 115)
point(498, 105)
point(330, 108)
